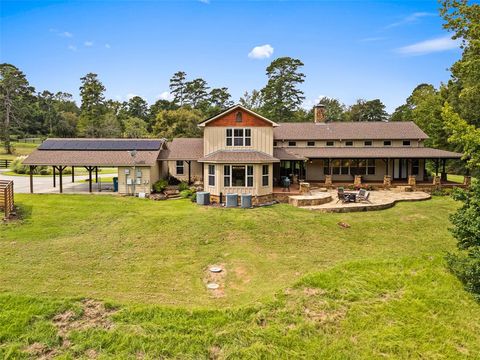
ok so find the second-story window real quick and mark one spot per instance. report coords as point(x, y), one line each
point(406, 142)
point(239, 137)
point(368, 142)
point(348, 143)
point(292, 143)
point(330, 143)
point(387, 143)
point(310, 143)
point(275, 143)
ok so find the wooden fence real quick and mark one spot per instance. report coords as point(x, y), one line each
point(5, 163)
point(6, 197)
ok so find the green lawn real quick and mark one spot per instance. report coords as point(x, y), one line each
point(297, 285)
point(19, 149)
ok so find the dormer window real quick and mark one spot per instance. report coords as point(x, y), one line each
point(406, 142)
point(238, 117)
point(387, 143)
point(238, 137)
point(348, 143)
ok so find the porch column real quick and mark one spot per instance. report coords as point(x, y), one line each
point(189, 162)
point(73, 174)
point(436, 167)
point(54, 176)
point(89, 169)
point(60, 172)
point(96, 174)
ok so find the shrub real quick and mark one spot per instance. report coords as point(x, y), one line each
point(17, 167)
point(466, 229)
point(183, 186)
point(160, 185)
point(186, 193)
point(194, 197)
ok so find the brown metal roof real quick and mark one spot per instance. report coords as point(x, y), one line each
point(239, 156)
point(363, 153)
point(100, 144)
point(348, 130)
point(183, 149)
point(91, 158)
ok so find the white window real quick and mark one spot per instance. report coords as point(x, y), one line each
point(239, 137)
point(368, 142)
point(211, 175)
point(348, 143)
point(265, 175)
point(179, 167)
point(292, 143)
point(238, 175)
point(330, 143)
point(310, 143)
point(387, 143)
point(406, 142)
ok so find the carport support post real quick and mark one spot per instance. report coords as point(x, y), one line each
point(54, 176)
point(73, 174)
point(32, 167)
point(96, 174)
point(89, 169)
point(444, 173)
point(60, 172)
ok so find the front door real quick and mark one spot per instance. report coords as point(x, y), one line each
point(399, 169)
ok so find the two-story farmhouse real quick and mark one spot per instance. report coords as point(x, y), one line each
point(244, 152)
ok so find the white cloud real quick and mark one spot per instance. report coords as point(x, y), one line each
point(107, 46)
point(439, 44)
point(72, 47)
point(165, 96)
point(88, 43)
point(309, 103)
point(66, 34)
point(205, 1)
point(261, 52)
point(412, 18)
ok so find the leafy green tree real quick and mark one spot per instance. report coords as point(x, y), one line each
point(137, 107)
point(92, 109)
point(372, 110)
point(334, 109)
point(196, 93)
point(178, 87)
point(182, 122)
point(463, 90)
point(466, 229)
point(281, 95)
point(220, 98)
point(402, 113)
point(135, 128)
point(253, 100)
point(464, 135)
point(15, 93)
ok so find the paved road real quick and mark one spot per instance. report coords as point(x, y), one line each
point(44, 184)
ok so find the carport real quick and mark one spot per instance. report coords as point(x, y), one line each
point(92, 154)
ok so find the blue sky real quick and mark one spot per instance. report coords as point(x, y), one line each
point(351, 50)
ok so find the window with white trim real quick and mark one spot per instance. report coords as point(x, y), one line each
point(238, 175)
point(265, 174)
point(179, 169)
point(348, 143)
point(387, 143)
point(211, 175)
point(238, 137)
point(292, 143)
point(310, 143)
point(406, 142)
point(368, 143)
point(330, 143)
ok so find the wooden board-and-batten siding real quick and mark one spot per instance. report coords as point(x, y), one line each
point(6, 197)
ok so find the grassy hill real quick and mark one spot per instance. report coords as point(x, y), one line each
point(121, 277)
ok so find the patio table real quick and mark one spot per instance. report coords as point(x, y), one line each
point(351, 196)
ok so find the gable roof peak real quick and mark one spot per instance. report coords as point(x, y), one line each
point(232, 108)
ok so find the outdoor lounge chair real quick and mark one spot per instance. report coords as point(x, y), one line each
point(363, 196)
point(341, 195)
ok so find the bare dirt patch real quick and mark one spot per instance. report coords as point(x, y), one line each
point(40, 351)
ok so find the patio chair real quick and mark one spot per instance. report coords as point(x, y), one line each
point(341, 195)
point(363, 196)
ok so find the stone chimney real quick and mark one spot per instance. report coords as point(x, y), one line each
point(319, 113)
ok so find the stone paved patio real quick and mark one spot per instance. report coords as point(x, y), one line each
point(379, 200)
